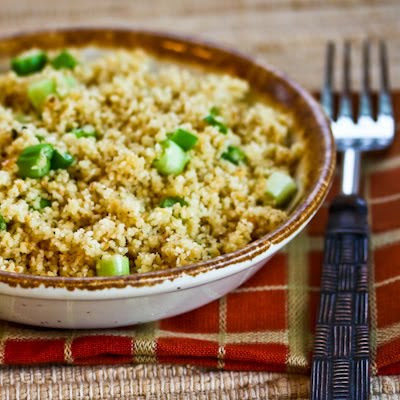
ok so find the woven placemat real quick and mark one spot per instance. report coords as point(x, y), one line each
point(162, 382)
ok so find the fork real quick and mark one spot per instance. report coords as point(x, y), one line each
point(341, 358)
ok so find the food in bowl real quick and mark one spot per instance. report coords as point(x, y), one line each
point(124, 162)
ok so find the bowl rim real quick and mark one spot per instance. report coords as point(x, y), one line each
point(302, 213)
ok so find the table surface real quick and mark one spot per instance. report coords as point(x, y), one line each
point(290, 34)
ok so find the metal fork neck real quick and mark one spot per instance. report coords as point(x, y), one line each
point(351, 171)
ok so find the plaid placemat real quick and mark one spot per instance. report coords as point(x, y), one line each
point(264, 325)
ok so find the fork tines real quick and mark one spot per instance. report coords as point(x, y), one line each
point(366, 127)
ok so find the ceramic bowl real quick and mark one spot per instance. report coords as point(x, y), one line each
point(138, 298)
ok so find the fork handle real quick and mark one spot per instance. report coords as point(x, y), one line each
point(340, 365)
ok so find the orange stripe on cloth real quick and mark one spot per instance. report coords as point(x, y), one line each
point(385, 183)
point(274, 274)
point(25, 351)
point(197, 350)
point(387, 261)
point(202, 320)
point(384, 215)
point(388, 304)
point(258, 353)
point(387, 358)
point(250, 311)
point(87, 347)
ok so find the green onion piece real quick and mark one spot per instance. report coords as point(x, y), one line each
point(214, 110)
point(43, 203)
point(215, 120)
point(40, 203)
point(29, 62)
point(234, 155)
point(85, 131)
point(172, 160)
point(280, 187)
point(170, 201)
point(61, 160)
point(64, 59)
point(3, 223)
point(64, 84)
point(184, 139)
point(70, 81)
point(112, 265)
point(39, 91)
point(34, 161)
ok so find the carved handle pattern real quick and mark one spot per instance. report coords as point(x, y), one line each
point(340, 366)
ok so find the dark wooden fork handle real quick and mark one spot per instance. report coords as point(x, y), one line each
point(340, 366)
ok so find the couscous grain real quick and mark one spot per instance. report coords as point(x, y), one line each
point(112, 197)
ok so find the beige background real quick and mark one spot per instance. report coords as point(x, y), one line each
point(291, 34)
point(288, 33)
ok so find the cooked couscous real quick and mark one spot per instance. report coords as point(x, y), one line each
point(120, 163)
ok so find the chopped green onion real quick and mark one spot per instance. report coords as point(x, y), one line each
point(186, 140)
point(40, 203)
point(64, 59)
point(34, 161)
point(112, 265)
point(170, 201)
point(214, 110)
point(214, 119)
point(85, 131)
point(280, 187)
point(234, 155)
point(172, 160)
point(40, 138)
point(3, 223)
point(70, 81)
point(61, 160)
point(43, 203)
point(29, 62)
point(64, 84)
point(39, 91)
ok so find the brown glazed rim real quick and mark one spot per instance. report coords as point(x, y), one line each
point(200, 52)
